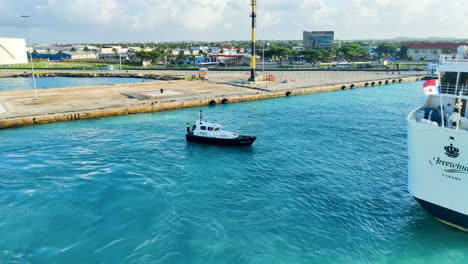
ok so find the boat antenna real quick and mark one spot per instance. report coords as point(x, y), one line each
point(200, 115)
point(440, 96)
point(459, 105)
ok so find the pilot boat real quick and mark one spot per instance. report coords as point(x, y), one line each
point(211, 133)
point(438, 143)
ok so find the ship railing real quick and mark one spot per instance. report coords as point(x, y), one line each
point(453, 59)
point(454, 89)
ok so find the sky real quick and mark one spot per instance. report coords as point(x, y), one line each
point(107, 21)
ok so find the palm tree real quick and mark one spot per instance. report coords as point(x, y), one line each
point(193, 59)
point(181, 57)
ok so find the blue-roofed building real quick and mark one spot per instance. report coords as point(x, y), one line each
point(65, 56)
point(49, 56)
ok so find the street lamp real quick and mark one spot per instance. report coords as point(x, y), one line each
point(28, 22)
point(263, 55)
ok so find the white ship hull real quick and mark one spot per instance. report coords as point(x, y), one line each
point(438, 171)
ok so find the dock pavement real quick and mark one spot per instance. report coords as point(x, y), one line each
point(18, 108)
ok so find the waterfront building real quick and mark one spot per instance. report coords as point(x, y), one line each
point(431, 51)
point(65, 56)
point(198, 60)
point(231, 59)
point(318, 39)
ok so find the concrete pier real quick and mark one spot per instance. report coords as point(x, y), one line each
point(75, 103)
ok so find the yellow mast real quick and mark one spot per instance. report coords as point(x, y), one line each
point(253, 59)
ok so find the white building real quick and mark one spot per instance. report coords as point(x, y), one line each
point(431, 51)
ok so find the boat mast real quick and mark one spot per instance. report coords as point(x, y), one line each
point(200, 115)
point(440, 96)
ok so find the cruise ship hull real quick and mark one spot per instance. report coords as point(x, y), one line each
point(438, 171)
point(446, 216)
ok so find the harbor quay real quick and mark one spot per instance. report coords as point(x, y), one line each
point(17, 108)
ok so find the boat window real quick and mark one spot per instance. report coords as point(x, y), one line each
point(203, 127)
point(210, 129)
point(216, 129)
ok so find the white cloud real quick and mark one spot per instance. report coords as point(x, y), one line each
point(141, 20)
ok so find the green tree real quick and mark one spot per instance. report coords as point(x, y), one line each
point(331, 53)
point(48, 50)
point(181, 57)
point(312, 55)
point(73, 49)
point(115, 50)
point(143, 55)
point(277, 53)
point(86, 49)
point(354, 52)
point(403, 51)
point(387, 47)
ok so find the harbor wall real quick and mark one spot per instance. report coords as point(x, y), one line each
point(153, 106)
point(92, 75)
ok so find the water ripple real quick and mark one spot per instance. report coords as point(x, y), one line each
point(324, 183)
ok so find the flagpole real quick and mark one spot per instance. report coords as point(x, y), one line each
point(440, 95)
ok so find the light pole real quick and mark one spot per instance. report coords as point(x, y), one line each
point(28, 22)
point(263, 57)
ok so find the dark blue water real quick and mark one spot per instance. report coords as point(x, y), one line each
point(11, 84)
point(325, 182)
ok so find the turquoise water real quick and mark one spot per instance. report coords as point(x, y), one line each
point(10, 84)
point(325, 182)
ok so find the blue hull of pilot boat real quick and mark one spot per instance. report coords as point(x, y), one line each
point(239, 141)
